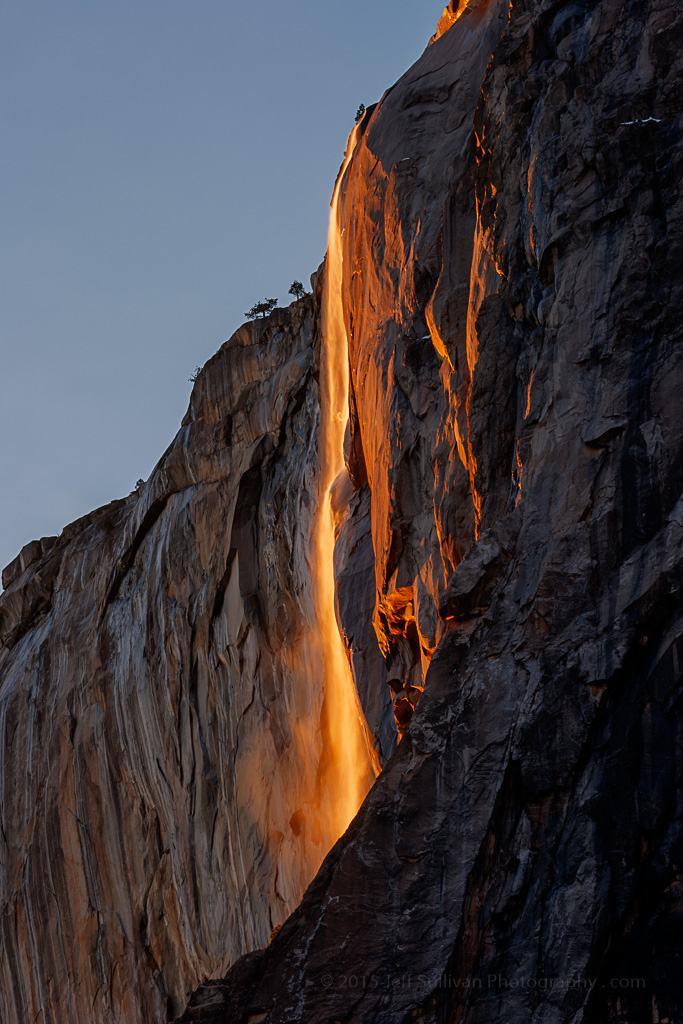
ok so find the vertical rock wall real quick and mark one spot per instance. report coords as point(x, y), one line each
point(513, 287)
point(509, 578)
point(161, 708)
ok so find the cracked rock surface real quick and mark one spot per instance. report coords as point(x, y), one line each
point(160, 707)
point(509, 586)
point(513, 276)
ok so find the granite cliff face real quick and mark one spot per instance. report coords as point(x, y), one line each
point(163, 708)
point(509, 589)
point(512, 238)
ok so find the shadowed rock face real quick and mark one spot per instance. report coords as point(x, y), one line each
point(510, 549)
point(513, 276)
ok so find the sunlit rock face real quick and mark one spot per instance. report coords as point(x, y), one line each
point(512, 287)
point(409, 216)
point(454, 10)
point(162, 708)
point(508, 584)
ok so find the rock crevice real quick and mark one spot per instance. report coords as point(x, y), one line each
point(508, 567)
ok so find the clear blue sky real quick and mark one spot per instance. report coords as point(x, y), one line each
point(165, 164)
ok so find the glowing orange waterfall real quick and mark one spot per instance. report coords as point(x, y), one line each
point(349, 763)
point(331, 763)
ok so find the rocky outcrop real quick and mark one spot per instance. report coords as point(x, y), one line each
point(162, 707)
point(512, 221)
point(508, 582)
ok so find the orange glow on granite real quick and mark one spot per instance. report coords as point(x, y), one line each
point(453, 11)
point(349, 764)
point(528, 396)
point(518, 475)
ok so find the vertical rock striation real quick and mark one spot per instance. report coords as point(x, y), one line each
point(162, 708)
point(513, 273)
point(509, 566)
